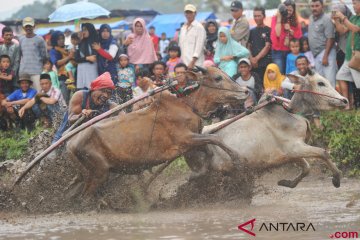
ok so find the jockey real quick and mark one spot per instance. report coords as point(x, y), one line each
point(184, 86)
point(88, 103)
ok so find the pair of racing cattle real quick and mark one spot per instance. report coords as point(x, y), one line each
point(171, 127)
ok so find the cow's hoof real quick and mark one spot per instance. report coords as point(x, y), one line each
point(336, 181)
point(286, 183)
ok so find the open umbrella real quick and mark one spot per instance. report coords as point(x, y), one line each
point(76, 11)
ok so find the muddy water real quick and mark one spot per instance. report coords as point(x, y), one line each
point(314, 201)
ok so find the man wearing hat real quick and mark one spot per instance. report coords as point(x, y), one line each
point(88, 103)
point(192, 39)
point(33, 52)
point(19, 98)
point(46, 103)
point(240, 29)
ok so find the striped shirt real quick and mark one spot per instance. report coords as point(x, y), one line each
point(33, 53)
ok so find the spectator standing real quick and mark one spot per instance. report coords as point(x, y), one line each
point(240, 29)
point(155, 39)
point(140, 47)
point(192, 39)
point(273, 79)
point(247, 78)
point(6, 75)
point(49, 69)
point(305, 49)
point(291, 57)
point(353, 27)
point(284, 27)
point(59, 57)
point(259, 43)
point(321, 40)
point(85, 56)
point(211, 28)
point(174, 59)
point(33, 52)
point(163, 45)
point(228, 52)
point(126, 76)
point(12, 50)
point(107, 50)
point(67, 34)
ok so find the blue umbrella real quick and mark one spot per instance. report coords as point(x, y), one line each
point(77, 10)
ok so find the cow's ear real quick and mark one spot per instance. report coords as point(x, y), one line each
point(191, 76)
point(297, 79)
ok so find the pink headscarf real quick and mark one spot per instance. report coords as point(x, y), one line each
point(142, 50)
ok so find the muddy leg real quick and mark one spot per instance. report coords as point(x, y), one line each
point(94, 180)
point(315, 152)
point(202, 139)
point(305, 169)
point(198, 161)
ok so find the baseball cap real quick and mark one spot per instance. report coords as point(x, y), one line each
point(236, 5)
point(28, 21)
point(190, 7)
point(246, 60)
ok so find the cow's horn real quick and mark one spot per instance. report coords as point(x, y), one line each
point(202, 70)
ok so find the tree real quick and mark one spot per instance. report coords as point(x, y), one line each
point(42, 10)
point(271, 4)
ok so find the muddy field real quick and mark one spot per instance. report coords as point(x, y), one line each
point(314, 201)
point(46, 206)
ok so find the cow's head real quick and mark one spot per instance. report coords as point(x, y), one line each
point(216, 89)
point(318, 94)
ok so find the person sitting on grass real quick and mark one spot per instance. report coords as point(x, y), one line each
point(46, 103)
point(19, 98)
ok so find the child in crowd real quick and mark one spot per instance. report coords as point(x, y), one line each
point(163, 45)
point(158, 71)
point(144, 85)
point(6, 75)
point(305, 49)
point(48, 68)
point(291, 57)
point(174, 54)
point(126, 76)
point(72, 65)
point(273, 79)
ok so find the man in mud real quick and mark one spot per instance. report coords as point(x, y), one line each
point(184, 86)
point(88, 103)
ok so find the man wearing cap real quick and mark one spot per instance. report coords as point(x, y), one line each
point(192, 39)
point(88, 103)
point(46, 103)
point(19, 98)
point(33, 52)
point(240, 29)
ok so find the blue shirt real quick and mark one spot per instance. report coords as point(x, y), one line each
point(290, 62)
point(19, 95)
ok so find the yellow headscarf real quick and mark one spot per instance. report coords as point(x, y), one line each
point(268, 84)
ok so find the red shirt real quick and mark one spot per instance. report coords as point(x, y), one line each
point(278, 42)
point(155, 40)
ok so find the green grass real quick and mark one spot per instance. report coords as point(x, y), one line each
point(14, 143)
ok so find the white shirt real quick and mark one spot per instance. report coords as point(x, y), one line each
point(192, 42)
point(57, 95)
point(163, 44)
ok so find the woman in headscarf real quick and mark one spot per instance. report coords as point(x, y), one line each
point(273, 79)
point(59, 57)
point(86, 57)
point(228, 52)
point(107, 50)
point(140, 48)
point(211, 28)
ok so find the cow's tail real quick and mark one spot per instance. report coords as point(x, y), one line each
point(308, 131)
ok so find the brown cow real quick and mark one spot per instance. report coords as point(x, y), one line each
point(273, 136)
point(166, 129)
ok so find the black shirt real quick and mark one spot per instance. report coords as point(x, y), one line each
point(258, 37)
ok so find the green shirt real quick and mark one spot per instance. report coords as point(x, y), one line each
point(356, 21)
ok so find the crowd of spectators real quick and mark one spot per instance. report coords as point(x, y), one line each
point(38, 77)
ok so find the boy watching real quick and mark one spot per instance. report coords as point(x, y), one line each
point(46, 103)
point(6, 75)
